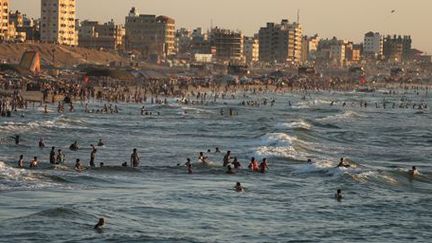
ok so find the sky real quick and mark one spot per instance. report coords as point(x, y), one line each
point(345, 19)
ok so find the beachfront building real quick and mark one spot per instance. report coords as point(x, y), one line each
point(108, 35)
point(4, 19)
point(352, 53)
point(58, 22)
point(150, 34)
point(183, 40)
point(397, 48)
point(251, 49)
point(309, 48)
point(22, 28)
point(281, 42)
point(337, 53)
point(373, 45)
point(228, 45)
point(200, 42)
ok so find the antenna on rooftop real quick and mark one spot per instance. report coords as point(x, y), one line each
point(298, 16)
point(211, 24)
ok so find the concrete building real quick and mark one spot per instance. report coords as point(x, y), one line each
point(309, 48)
point(183, 41)
point(106, 36)
point(228, 45)
point(58, 22)
point(397, 48)
point(150, 34)
point(352, 53)
point(337, 53)
point(373, 44)
point(4, 19)
point(281, 42)
point(251, 49)
point(200, 42)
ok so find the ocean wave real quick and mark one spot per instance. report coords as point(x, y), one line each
point(23, 179)
point(58, 122)
point(347, 115)
point(279, 145)
point(301, 124)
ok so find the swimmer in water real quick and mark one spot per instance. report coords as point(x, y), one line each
point(263, 166)
point(60, 157)
point(227, 158)
point(100, 223)
point(52, 156)
point(238, 187)
point(41, 143)
point(189, 165)
point(124, 164)
point(21, 161)
point(413, 171)
point(17, 139)
point(202, 158)
point(34, 163)
point(74, 146)
point(230, 170)
point(236, 163)
point(93, 156)
point(134, 160)
point(309, 161)
point(343, 164)
point(78, 166)
point(100, 143)
point(217, 150)
point(338, 195)
point(253, 165)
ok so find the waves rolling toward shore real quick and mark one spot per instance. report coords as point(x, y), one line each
point(160, 202)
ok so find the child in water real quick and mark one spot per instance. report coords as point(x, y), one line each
point(238, 187)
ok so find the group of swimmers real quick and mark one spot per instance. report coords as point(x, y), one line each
point(230, 162)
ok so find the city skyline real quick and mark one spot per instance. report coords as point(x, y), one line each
point(346, 21)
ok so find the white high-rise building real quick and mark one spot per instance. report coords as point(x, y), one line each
point(373, 44)
point(4, 19)
point(58, 22)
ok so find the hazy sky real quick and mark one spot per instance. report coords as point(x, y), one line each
point(346, 19)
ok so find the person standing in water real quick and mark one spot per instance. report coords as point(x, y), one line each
point(189, 165)
point(227, 158)
point(17, 139)
point(60, 157)
point(263, 166)
point(93, 156)
point(34, 163)
point(52, 156)
point(253, 165)
point(21, 161)
point(236, 163)
point(78, 166)
point(338, 195)
point(41, 143)
point(134, 158)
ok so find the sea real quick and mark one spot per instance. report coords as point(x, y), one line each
point(294, 201)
